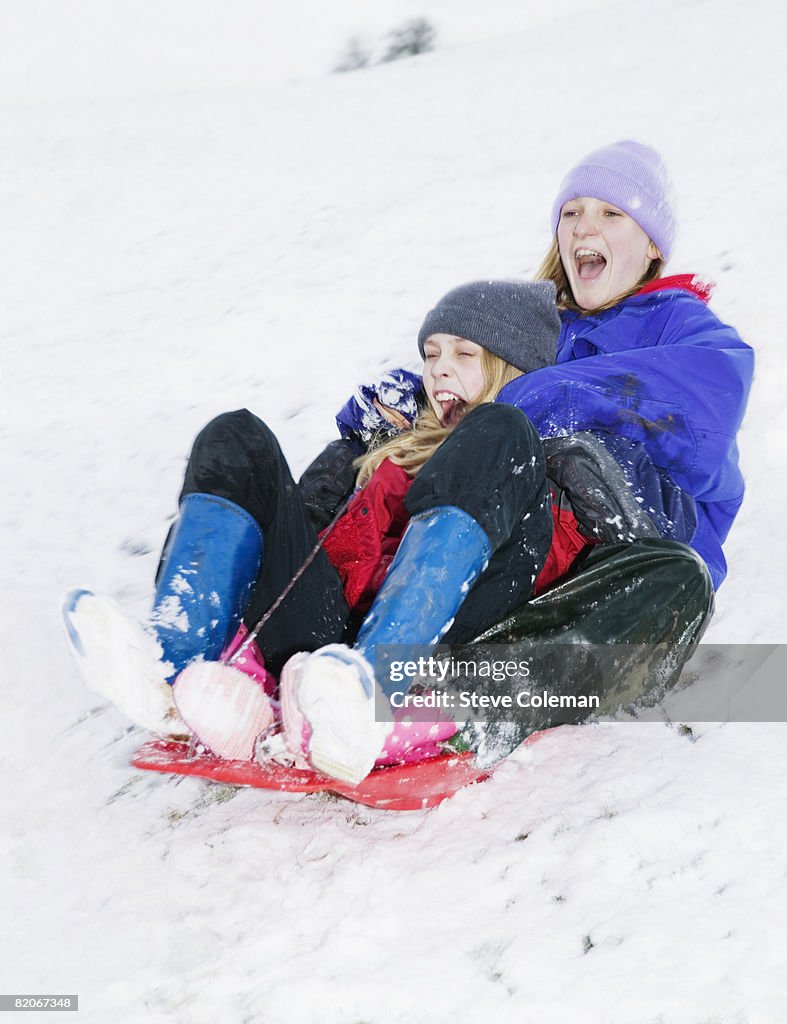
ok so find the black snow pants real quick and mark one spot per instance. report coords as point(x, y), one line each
point(621, 625)
point(491, 466)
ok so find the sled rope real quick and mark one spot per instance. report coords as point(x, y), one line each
point(309, 559)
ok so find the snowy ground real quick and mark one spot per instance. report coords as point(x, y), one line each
point(188, 236)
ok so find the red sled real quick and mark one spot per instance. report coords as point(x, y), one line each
point(404, 787)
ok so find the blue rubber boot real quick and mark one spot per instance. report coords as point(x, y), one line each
point(328, 697)
point(209, 570)
point(442, 553)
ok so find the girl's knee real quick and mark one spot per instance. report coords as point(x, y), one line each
point(506, 422)
point(237, 457)
point(238, 429)
point(501, 432)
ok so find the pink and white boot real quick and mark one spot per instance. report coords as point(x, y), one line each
point(226, 709)
point(327, 707)
point(328, 715)
point(410, 739)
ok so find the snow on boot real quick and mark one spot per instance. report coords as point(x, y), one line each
point(327, 701)
point(224, 708)
point(442, 553)
point(122, 662)
point(204, 584)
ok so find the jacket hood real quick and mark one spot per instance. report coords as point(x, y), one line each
point(692, 283)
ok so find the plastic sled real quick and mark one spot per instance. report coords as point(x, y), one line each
point(406, 787)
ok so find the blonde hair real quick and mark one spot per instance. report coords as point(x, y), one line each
point(414, 447)
point(551, 269)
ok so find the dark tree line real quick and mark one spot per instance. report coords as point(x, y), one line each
point(412, 37)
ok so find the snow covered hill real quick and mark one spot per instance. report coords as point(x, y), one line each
point(178, 246)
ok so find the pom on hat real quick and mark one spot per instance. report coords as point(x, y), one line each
point(516, 320)
point(632, 177)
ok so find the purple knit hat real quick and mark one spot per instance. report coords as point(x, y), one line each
point(632, 177)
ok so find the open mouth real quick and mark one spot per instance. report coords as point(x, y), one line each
point(452, 407)
point(589, 263)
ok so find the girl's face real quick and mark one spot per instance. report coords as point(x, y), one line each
point(603, 251)
point(453, 376)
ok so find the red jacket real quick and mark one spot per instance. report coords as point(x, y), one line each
point(363, 542)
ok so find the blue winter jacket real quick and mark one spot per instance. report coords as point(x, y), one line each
point(662, 370)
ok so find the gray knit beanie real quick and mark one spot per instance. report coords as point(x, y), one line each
point(516, 320)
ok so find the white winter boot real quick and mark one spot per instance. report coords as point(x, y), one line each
point(327, 706)
point(121, 661)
